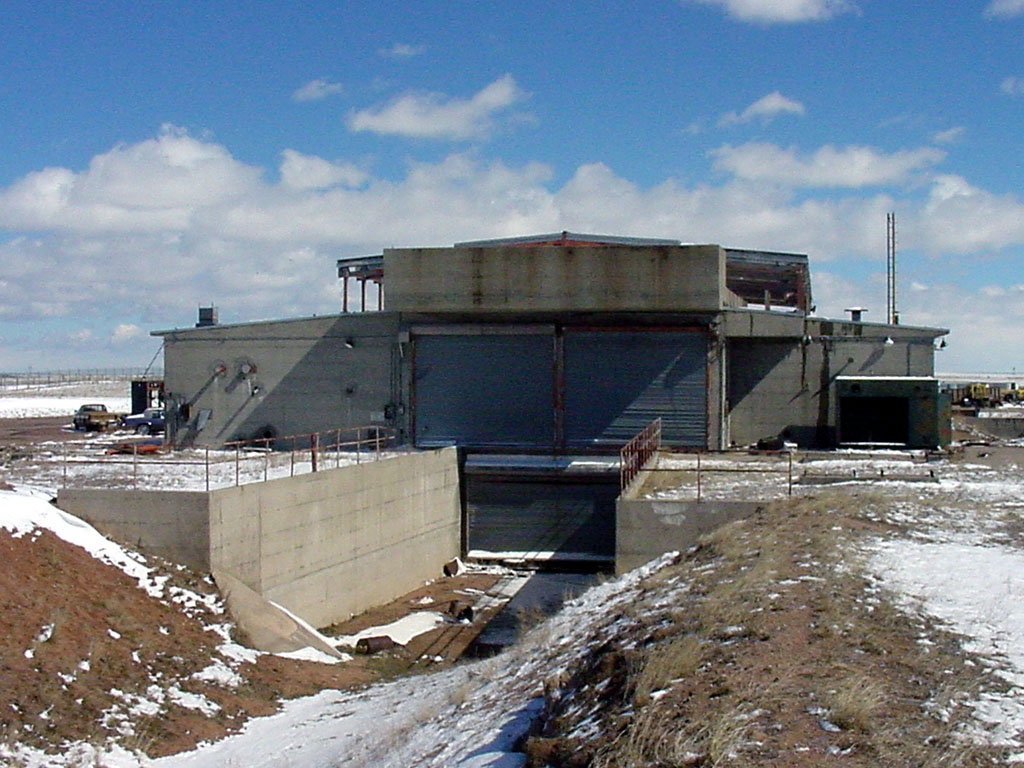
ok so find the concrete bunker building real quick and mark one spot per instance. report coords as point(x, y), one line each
point(564, 344)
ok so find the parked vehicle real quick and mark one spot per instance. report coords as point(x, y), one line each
point(149, 422)
point(94, 417)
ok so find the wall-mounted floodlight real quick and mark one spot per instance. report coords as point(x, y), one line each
point(888, 341)
point(349, 343)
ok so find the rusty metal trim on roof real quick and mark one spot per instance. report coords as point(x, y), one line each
point(566, 238)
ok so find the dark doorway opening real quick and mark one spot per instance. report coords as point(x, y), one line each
point(874, 420)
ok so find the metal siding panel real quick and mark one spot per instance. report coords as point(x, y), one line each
point(617, 382)
point(484, 391)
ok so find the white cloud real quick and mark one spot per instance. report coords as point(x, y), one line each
point(299, 171)
point(155, 184)
point(828, 166)
point(782, 11)
point(948, 136)
point(1012, 86)
point(263, 248)
point(80, 337)
point(317, 89)
point(125, 333)
point(402, 51)
point(436, 116)
point(764, 109)
point(1004, 8)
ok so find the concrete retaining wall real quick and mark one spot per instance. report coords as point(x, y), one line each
point(645, 529)
point(1008, 429)
point(324, 545)
point(335, 543)
point(170, 524)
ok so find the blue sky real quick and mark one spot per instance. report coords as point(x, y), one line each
point(159, 156)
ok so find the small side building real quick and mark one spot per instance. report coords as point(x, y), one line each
point(564, 344)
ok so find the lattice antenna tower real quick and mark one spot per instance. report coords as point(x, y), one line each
point(892, 314)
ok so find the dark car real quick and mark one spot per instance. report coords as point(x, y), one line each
point(150, 421)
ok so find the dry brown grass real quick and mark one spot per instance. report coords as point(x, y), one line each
point(773, 629)
point(663, 663)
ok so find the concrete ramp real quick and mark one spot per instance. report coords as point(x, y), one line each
point(269, 627)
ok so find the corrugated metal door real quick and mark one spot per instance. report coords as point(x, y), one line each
point(617, 382)
point(485, 391)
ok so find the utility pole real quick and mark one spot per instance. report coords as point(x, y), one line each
point(892, 315)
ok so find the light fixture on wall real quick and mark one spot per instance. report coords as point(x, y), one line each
point(349, 343)
point(888, 341)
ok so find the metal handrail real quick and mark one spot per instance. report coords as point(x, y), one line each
point(317, 448)
point(635, 454)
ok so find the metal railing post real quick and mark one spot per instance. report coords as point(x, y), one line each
point(207, 468)
point(790, 477)
point(698, 476)
point(238, 458)
point(312, 450)
point(359, 443)
point(135, 465)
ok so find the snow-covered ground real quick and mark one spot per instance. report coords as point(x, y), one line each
point(86, 462)
point(32, 406)
point(958, 559)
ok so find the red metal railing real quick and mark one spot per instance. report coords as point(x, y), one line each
point(635, 454)
point(231, 463)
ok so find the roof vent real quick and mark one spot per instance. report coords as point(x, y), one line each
point(855, 313)
point(207, 316)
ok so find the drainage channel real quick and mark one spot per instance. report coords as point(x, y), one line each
point(533, 595)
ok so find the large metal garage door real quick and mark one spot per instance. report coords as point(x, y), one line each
point(617, 382)
point(484, 391)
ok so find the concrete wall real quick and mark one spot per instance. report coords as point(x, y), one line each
point(324, 545)
point(782, 371)
point(282, 377)
point(335, 543)
point(556, 278)
point(169, 524)
point(645, 529)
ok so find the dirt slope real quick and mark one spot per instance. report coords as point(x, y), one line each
point(765, 647)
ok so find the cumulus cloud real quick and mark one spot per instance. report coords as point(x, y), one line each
point(1012, 86)
point(155, 184)
point(186, 223)
point(299, 171)
point(317, 89)
point(125, 333)
point(436, 116)
point(764, 109)
point(1002, 9)
point(402, 51)
point(781, 11)
point(828, 166)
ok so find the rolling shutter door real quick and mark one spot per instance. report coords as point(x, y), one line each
point(617, 382)
point(484, 390)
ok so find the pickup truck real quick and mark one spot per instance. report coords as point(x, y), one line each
point(149, 422)
point(94, 417)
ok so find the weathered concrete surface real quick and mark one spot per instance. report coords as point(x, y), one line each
point(557, 278)
point(1006, 428)
point(170, 524)
point(324, 545)
point(331, 544)
point(288, 377)
point(645, 529)
point(782, 372)
point(268, 627)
